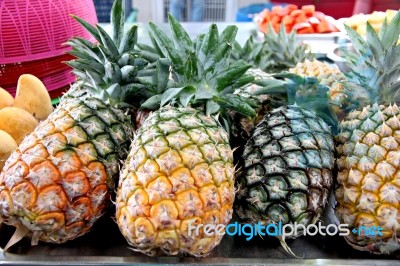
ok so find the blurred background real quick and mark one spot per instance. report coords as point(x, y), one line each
point(232, 10)
point(33, 32)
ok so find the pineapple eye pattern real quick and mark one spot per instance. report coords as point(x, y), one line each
point(287, 172)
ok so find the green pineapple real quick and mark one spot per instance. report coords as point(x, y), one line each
point(288, 160)
point(180, 169)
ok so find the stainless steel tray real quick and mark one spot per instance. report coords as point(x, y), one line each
point(105, 245)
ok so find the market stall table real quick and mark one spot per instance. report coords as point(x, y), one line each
point(105, 244)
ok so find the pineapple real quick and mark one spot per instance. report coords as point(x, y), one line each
point(328, 76)
point(368, 192)
point(59, 180)
point(288, 160)
point(179, 172)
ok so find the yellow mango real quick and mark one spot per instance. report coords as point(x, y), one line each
point(7, 146)
point(33, 97)
point(17, 122)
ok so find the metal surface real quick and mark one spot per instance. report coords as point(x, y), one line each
point(105, 245)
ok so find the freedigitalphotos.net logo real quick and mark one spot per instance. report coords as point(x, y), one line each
point(281, 230)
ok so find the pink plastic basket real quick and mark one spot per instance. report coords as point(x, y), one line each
point(56, 76)
point(32, 34)
point(36, 29)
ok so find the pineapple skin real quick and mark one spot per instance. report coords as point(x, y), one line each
point(369, 178)
point(59, 180)
point(287, 172)
point(179, 172)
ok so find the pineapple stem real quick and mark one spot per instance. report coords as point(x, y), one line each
point(20, 232)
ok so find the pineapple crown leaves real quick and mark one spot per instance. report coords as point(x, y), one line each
point(306, 92)
point(277, 52)
point(200, 72)
point(376, 70)
point(109, 69)
point(250, 52)
point(282, 50)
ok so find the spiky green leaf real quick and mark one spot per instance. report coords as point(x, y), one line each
point(216, 60)
point(228, 35)
point(235, 102)
point(128, 74)
point(80, 74)
point(118, 20)
point(271, 86)
point(181, 37)
point(170, 94)
point(356, 39)
point(204, 94)
point(392, 32)
point(114, 91)
point(108, 44)
point(95, 79)
point(373, 40)
point(152, 103)
point(198, 43)
point(212, 107)
point(383, 29)
point(186, 95)
point(210, 41)
point(80, 54)
point(193, 68)
point(224, 78)
point(244, 80)
point(148, 52)
point(129, 40)
point(282, 36)
point(161, 39)
point(162, 76)
point(145, 80)
point(176, 60)
point(92, 30)
point(112, 72)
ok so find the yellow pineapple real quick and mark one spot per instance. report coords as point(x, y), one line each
point(179, 172)
point(368, 145)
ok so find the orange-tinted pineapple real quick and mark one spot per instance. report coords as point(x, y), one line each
point(59, 180)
